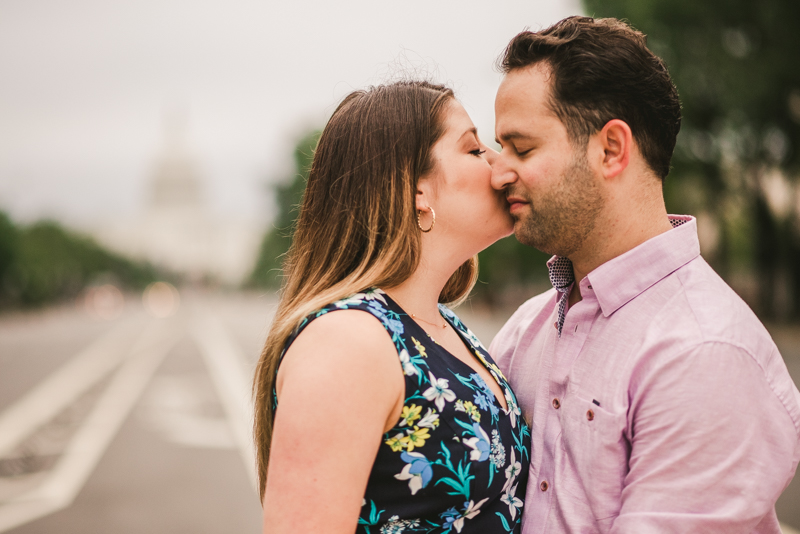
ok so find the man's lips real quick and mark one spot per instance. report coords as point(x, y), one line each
point(516, 203)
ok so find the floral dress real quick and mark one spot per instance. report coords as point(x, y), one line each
point(455, 461)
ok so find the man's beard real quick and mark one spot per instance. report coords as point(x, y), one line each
point(561, 218)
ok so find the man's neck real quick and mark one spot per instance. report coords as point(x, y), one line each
point(613, 237)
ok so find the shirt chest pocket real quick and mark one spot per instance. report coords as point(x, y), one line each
point(594, 454)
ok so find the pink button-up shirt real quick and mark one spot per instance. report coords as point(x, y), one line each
point(659, 404)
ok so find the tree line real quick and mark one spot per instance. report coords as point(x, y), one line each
point(42, 263)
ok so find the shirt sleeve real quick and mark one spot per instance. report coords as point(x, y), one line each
point(712, 445)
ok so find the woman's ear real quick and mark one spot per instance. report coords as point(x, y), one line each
point(423, 196)
point(616, 142)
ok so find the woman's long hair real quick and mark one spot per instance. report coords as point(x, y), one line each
point(357, 226)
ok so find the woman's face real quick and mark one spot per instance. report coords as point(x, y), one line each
point(469, 211)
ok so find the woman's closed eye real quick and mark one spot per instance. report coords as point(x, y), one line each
point(477, 152)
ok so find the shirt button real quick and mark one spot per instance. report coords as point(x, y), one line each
point(544, 485)
point(556, 404)
point(590, 415)
point(555, 325)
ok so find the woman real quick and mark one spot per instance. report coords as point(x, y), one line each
point(389, 415)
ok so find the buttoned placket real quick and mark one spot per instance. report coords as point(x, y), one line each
point(576, 325)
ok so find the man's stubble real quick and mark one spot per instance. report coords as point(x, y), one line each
point(560, 219)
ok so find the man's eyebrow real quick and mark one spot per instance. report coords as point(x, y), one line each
point(510, 136)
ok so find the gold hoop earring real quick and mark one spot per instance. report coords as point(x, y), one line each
point(433, 213)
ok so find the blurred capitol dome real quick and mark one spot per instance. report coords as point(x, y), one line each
point(178, 230)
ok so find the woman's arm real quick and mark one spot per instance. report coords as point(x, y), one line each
point(340, 387)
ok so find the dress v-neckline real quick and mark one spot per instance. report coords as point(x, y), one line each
point(470, 348)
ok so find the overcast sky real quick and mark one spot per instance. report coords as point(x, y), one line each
point(85, 86)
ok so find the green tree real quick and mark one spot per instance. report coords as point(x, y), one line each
point(735, 64)
point(288, 195)
point(43, 263)
point(9, 237)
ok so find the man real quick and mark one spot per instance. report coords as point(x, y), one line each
point(658, 401)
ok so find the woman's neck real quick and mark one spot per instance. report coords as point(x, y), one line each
point(419, 294)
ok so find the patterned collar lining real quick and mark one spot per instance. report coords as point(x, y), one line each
point(562, 277)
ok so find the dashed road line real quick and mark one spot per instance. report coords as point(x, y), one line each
point(65, 480)
point(227, 369)
point(65, 385)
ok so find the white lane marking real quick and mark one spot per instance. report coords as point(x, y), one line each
point(180, 408)
point(65, 385)
point(85, 449)
point(227, 369)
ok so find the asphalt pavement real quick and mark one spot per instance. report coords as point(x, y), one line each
point(140, 421)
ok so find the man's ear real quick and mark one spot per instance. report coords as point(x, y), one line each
point(616, 142)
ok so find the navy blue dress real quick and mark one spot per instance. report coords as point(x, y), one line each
point(455, 461)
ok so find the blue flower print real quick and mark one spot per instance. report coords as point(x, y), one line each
point(449, 516)
point(391, 322)
point(482, 384)
point(377, 307)
point(481, 400)
point(455, 520)
point(417, 471)
point(395, 326)
point(479, 444)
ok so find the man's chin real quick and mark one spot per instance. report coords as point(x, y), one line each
point(528, 238)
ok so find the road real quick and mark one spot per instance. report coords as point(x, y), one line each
point(142, 424)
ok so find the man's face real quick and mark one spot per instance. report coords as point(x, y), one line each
point(553, 194)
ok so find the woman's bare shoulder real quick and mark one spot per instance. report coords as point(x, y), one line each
point(343, 345)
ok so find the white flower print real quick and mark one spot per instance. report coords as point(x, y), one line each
point(472, 510)
point(430, 420)
point(510, 498)
point(397, 525)
point(374, 294)
point(498, 454)
point(439, 392)
point(358, 298)
point(513, 408)
point(512, 471)
point(475, 342)
point(414, 480)
point(408, 367)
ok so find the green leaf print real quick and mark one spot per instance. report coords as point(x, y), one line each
point(505, 523)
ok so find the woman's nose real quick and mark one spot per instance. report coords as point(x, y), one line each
point(490, 155)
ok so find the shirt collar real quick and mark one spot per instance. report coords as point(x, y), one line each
point(621, 279)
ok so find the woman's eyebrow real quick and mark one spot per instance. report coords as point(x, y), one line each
point(472, 130)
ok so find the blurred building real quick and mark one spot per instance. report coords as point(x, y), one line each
point(178, 230)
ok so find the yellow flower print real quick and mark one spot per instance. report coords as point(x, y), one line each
point(419, 347)
point(410, 414)
point(497, 370)
point(473, 412)
point(397, 442)
point(416, 438)
point(471, 409)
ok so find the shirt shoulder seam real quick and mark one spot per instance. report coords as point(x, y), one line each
point(721, 341)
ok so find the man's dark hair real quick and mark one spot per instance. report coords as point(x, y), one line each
point(603, 70)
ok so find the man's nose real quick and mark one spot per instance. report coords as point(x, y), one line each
point(502, 174)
